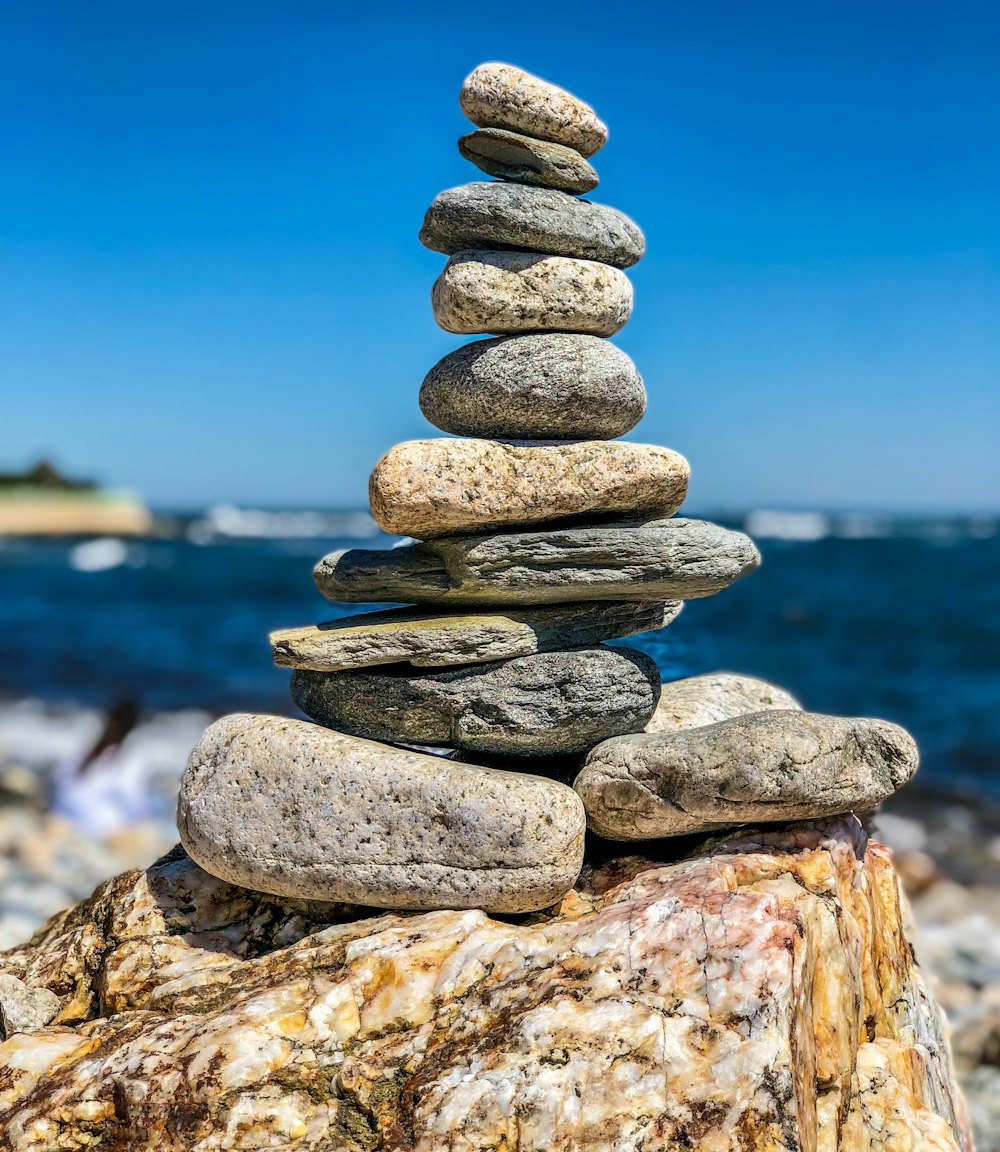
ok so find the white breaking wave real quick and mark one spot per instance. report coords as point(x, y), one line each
point(767, 523)
point(226, 520)
point(98, 555)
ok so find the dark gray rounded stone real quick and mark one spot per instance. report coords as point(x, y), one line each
point(548, 386)
point(490, 216)
point(511, 156)
point(550, 703)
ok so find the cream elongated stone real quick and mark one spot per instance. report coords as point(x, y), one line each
point(663, 559)
point(766, 766)
point(498, 95)
point(700, 700)
point(510, 292)
point(426, 488)
point(291, 808)
point(430, 639)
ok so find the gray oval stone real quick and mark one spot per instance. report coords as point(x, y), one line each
point(428, 638)
point(507, 292)
point(503, 96)
point(511, 156)
point(762, 767)
point(492, 215)
point(291, 808)
point(664, 559)
point(551, 703)
point(700, 700)
point(548, 386)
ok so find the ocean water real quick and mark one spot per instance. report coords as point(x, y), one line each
point(854, 614)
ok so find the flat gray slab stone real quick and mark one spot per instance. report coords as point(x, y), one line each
point(662, 560)
point(758, 768)
point(514, 156)
point(551, 703)
point(425, 488)
point(429, 639)
point(700, 700)
point(292, 808)
point(483, 291)
point(504, 96)
point(543, 386)
point(492, 214)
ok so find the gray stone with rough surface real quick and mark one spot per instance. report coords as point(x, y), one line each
point(427, 638)
point(547, 386)
point(700, 700)
point(762, 767)
point(512, 156)
point(496, 95)
point(663, 559)
point(24, 1009)
point(488, 214)
point(551, 703)
point(512, 292)
point(294, 809)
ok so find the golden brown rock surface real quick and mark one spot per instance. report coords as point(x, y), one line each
point(761, 997)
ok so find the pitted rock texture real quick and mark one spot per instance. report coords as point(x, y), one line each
point(491, 214)
point(700, 700)
point(425, 488)
point(762, 767)
point(294, 809)
point(426, 638)
point(509, 292)
point(760, 997)
point(501, 96)
point(24, 1009)
point(552, 703)
point(550, 386)
point(663, 559)
point(513, 156)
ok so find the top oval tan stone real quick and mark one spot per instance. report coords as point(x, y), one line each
point(502, 96)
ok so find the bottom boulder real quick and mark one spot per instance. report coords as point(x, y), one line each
point(759, 995)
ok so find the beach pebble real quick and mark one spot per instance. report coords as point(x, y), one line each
point(660, 560)
point(491, 214)
point(509, 292)
point(762, 767)
point(551, 703)
point(295, 809)
point(424, 488)
point(24, 1009)
point(700, 700)
point(428, 638)
point(511, 156)
point(547, 386)
point(502, 96)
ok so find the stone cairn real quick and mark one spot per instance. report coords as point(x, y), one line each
point(537, 536)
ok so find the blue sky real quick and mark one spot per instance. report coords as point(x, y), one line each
point(211, 287)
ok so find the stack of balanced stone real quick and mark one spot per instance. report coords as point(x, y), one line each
point(464, 744)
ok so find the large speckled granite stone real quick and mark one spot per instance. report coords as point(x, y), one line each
point(425, 488)
point(762, 995)
point(491, 214)
point(511, 292)
point(502, 96)
point(700, 700)
point(663, 559)
point(513, 156)
point(765, 766)
point(294, 809)
point(551, 703)
point(549, 386)
point(427, 638)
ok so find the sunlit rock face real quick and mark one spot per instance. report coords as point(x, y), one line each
point(759, 996)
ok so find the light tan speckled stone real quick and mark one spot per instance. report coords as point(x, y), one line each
point(509, 292)
point(699, 700)
point(502, 96)
point(288, 807)
point(426, 488)
point(762, 997)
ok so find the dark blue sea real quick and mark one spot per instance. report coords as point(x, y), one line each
point(854, 614)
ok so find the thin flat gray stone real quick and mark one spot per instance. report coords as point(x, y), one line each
point(512, 156)
point(762, 767)
point(548, 704)
point(429, 639)
point(664, 559)
point(492, 215)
